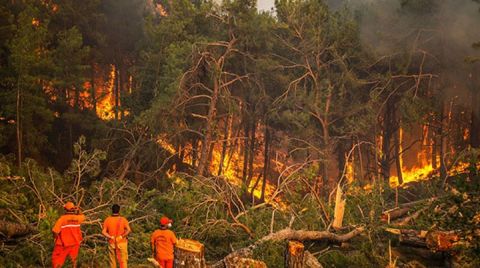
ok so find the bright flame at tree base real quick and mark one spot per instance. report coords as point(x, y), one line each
point(415, 174)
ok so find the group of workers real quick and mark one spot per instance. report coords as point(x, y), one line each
point(116, 228)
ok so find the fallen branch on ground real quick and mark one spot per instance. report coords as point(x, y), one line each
point(433, 240)
point(408, 219)
point(403, 209)
point(290, 234)
point(10, 229)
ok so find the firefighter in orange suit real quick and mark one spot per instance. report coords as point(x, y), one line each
point(116, 229)
point(68, 236)
point(163, 241)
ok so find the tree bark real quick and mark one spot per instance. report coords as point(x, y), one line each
point(122, 75)
point(295, 255)
point(13, 229)
point(398, 160)
point(290, 234)
point(475, 119)
point(246, 151)
point(207, 138)
point(194, 152)
point(18, 124)
point(443, 168)
point(116, 92)
point(93, 93)
point(224, 146)
point(266, 162)
point(387, 134)
point(251, 153)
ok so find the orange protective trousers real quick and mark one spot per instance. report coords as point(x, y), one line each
point(60, 253)
point(165, 263)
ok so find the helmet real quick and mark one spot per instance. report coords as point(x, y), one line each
point(69, 206)
point(165, 221)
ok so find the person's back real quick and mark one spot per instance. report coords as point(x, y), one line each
point(116, 229)
point(68, 235)
point(68, 229)
point(163, 242)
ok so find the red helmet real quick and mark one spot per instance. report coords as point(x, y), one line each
point(69, 206)
point(165, 221)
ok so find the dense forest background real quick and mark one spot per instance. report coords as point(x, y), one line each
point(237, 122)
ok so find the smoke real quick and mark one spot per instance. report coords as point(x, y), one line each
point(390, 26)
point(443, 30)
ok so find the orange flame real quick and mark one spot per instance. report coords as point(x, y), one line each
point(106, 103)
point(232, 166)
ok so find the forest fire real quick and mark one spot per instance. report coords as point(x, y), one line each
point(413, 174)
point(106, 100)
point(230, 167)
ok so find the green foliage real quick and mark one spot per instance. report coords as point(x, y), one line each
point(272, 253)
point(85, 163)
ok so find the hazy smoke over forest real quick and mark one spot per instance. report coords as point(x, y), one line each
point(443, 30)
point(389, 25)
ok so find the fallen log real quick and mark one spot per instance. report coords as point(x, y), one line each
point(393, 214)
point(290, 234)
point(311, 261)
point(433, 240)
point(10, 229)
point(408, 219)
point(403, 209)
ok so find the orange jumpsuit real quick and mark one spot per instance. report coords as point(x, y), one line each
point(118, 250)
point(163, 242)
point(68, 238)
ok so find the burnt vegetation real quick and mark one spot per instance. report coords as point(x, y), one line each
point(352, 127)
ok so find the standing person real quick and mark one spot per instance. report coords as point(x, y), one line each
point(68, 236)
point(116, 229)
point(163, 241)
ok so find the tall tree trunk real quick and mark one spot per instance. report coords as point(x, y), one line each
point(246, 151)
point(341, 158)
point(475, 119)
point(194, 152)
point(18, 124)
point(226, 131)
point(326, 158)
point(116, 93)
point(398, 156)
point(93, 93)
point(360, 159)
point(122, 74)
point(266, 162)
point(442, 146)
point(76, 102)
point(207, 138)
point(387, 134)
point(251, 153)
point(434, 147)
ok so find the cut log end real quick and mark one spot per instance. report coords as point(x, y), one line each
point(295, 255)
point(189, 253)
point(189, 245)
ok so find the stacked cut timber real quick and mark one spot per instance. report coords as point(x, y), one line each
point(189, 254)
point(238, 262)
point(295, 255)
